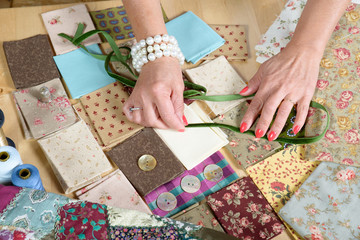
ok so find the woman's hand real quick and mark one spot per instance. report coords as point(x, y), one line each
point(283, 81)
point(159, 92)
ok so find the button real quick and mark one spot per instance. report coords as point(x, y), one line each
point(190, 184)
point(166, 201)
point(147, 162)
point(213, 172)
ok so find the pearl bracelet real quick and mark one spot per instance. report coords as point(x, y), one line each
point(151, 48)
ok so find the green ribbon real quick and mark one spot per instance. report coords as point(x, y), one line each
point(195, 91)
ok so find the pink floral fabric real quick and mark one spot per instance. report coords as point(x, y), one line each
point(244, 212)
point(338, 90)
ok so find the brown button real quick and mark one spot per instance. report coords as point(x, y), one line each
point(166, 201)
point(190, 184)
point(213, 172)
point(147, 162)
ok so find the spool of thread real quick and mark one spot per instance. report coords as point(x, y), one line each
point(4, 141)
point(27, 175)
point(9, 159)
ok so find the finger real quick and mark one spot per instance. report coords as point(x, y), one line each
point(178, 103)
point(302, 110)
point(150, 117)
point(253, 85)
point(252, 112)
point(167, 114)
point(133, 116)
point(267, 114)
point(280, 120)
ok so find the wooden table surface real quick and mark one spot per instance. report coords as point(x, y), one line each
point(19, 23)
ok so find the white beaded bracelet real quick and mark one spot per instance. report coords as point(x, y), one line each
point(151, 48)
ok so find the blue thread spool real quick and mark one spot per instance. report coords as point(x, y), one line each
point(9, 160)
point(27, 175)
point(4, 141)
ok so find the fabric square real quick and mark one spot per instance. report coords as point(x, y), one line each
point(200, 215)
point(24, 126)
point(82, 220)
point(83, 73)
point(30, 61)
point(166, 232)
point(104, 108)
point(66, 21)
point(220, 78)
point(244, 212)
point(247, 150)
point(75, 156)
point(327, 204)
point(114, 190)
point(146, 142)
point(44, 118)
point(185, 199)
point(33, 210)
point(235, 47)
point(195, 144)
point(194, 46)
point(338, 90)
point(10, 232)
point(7, 194)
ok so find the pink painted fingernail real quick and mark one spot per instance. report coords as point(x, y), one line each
point(272, 136)
point(296, 129)
point(181, 130)
point(244, 90)
point(259, 133)
point(243, 127)
point(185, 120)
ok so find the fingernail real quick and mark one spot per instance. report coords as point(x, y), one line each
point(272, 136)
point(243, 127)
point(185, 120)
point(296, 129)
point(259, 133)
point(181, 130)
point(244, 90)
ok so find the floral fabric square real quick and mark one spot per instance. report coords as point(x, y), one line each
point(127, 156)
point(246, 149)
point(186, 199)
point(338, 90)
point(166, 232)
point(104, 108)
point(82, 220)
point(10, 233)
point(30, 61)
point(75, 156)
point(327, 205)
point(200, 215)
point(66, 21)
point(114, 190)
point(235, 47)
point(33, 210)
point(44, 118)
point(244, 212)
point(220, 78)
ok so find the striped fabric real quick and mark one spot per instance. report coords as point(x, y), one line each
point(184, 199)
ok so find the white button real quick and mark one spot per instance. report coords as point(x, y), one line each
point(147, 162)
point(190, 184)
point(213, 172)
point(166, 201)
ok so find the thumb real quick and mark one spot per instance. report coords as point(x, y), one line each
point(253, 84)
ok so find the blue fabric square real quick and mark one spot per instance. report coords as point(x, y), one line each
point(196, 39)
point(83, 73)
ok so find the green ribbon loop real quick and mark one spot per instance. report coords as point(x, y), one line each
point(195, 91)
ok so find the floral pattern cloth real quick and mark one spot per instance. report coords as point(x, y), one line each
point(327, 205)
point(33, 210)
point(220, 78)
point(11, 233)
point(246, 149)
point(44, 118)
point(126, 233)
point(66, 21)
point(82, 220)
point(338, 90)
point(104, 108)
point(114, 190)
point(75, 157)
point(235, 47)
point(280, 175)
point(244, 212)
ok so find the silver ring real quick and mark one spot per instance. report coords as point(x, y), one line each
point(135, 108)
point(291, 101)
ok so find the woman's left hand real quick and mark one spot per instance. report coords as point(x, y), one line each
point(285, 80)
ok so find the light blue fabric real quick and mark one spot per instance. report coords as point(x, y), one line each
point(196, 39)
point(34, 210)
point(327, 205)
point(83, 73)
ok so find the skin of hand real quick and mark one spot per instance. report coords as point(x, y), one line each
point(159, 88)
point(290, 77)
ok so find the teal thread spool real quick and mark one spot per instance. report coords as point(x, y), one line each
point(27, 175)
